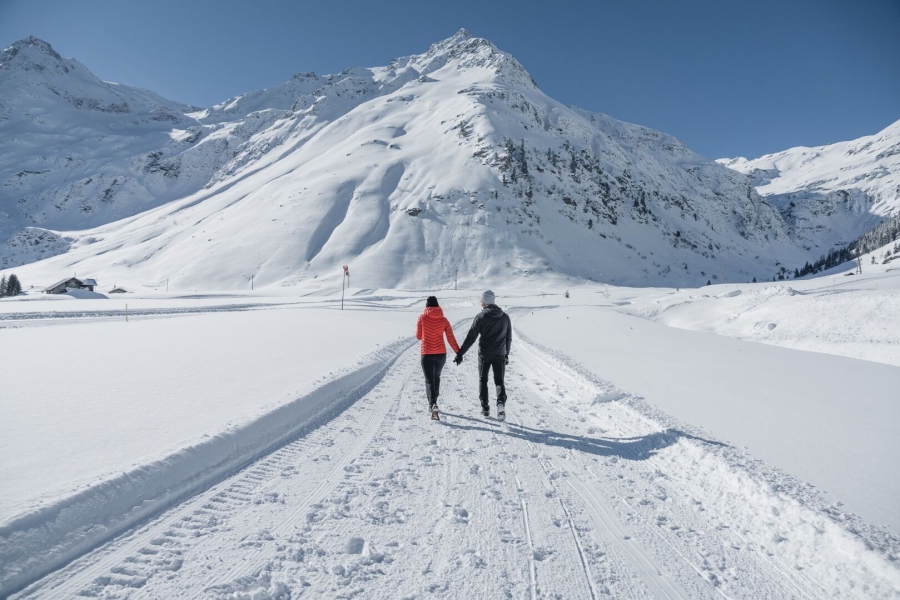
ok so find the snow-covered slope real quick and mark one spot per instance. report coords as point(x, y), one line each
point(830, 194)
point(78, 152)
point(506, 184)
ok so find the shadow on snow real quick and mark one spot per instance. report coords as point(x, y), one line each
point(632, 448)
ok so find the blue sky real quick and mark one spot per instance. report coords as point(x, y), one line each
point(730, 78)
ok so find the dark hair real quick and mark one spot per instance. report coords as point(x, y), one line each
point(432, 301)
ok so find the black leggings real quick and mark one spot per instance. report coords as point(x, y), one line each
point(432, 365)
point(485, 364)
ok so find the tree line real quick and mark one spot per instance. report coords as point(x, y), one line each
point(881, 235)
point(10, 287)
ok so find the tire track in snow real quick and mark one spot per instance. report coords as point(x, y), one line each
point(10, 319)
point(659, 583)
point(531, 567)
point(613, 532)
point(500, 434)
point(584, 563)
point(387, 402)
point(494, 427)
point(166, 545)
point(767, 564)
point(581, 554)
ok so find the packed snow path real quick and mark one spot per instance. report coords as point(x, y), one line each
point(584, 493)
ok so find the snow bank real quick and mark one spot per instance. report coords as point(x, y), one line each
point(858, 321)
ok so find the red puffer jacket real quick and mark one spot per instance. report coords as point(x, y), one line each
point(431, 327)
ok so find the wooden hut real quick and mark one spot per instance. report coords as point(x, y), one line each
point(60, 287)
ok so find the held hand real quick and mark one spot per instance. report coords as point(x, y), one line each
point(507, 360)
point(458, 359)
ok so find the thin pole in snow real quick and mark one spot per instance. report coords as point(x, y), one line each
point(251, 283)
point(126, 313)
point(342, 292)
point(167, 285)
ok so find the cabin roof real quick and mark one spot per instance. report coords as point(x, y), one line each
point(62, 281)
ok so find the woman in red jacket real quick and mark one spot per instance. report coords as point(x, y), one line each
point(430, 328)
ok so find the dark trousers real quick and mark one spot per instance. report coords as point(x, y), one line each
point(498, 364)
point(432, 365)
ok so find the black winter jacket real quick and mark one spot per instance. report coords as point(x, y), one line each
point(495, 329)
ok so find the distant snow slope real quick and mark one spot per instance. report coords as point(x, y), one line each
point(830, 194)
point(837, 313)
point(288, 183)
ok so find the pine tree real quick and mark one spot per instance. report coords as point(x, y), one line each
point(754, 280)
point(708, 282)
point(13, 287)
point(523, 164)
point(3, 286)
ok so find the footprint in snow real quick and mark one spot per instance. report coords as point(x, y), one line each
point(541, 554)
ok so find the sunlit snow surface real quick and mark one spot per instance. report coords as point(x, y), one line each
point(271, 443)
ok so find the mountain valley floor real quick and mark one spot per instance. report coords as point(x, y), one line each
point(660, 443)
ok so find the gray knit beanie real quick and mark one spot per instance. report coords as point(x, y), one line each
point(487, 297)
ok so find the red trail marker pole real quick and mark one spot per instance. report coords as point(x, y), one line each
point(347, 275)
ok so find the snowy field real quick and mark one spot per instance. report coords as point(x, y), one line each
point(272, 446)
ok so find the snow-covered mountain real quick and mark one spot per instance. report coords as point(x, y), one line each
point(452, 161)
point(78, 152)
point(829, 195)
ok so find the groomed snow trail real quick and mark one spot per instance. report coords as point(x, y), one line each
point(583, 493)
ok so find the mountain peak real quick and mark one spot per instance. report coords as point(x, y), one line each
point(33, 54)
point(462, 39)
point(468, 51)
point(462, 34)
point(34, 42)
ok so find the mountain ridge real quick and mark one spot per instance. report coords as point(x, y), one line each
point(830, 194)
point(509, 183)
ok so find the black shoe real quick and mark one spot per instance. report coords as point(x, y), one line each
point(501, 412)
point(485, 412)
point(434, 413)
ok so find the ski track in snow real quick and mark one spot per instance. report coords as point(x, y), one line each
point(579, 496)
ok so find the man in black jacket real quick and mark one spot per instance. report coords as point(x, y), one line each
point(495, 329)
